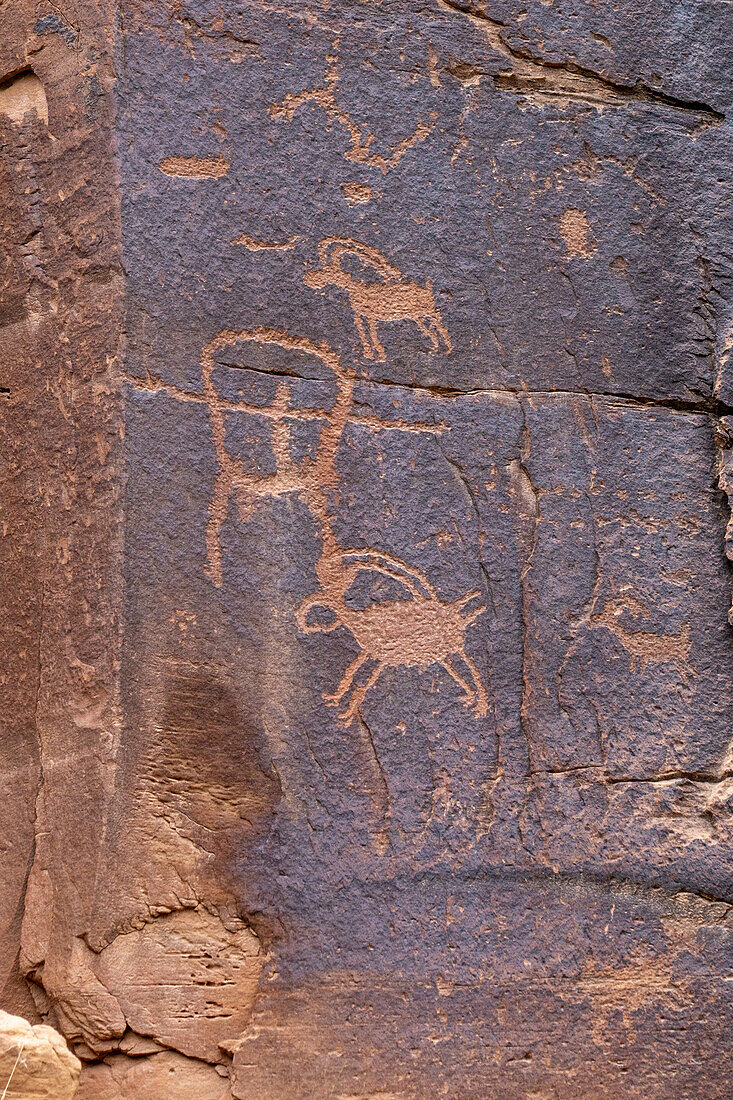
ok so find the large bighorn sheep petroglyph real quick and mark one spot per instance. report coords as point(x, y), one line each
point(393, 298)
point(416, 632)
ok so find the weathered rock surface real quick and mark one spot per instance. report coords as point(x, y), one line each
point(35, 1062)
point(161, 1076)
point(368, 678)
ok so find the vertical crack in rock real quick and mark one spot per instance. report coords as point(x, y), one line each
point(716, 341)
point(586, 615)
point(529, 505)
point(724, 478)
point(473, 505)
point(39, 686)
point(380, 789)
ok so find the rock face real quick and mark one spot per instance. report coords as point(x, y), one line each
point(35, 1062)
point(368, 689)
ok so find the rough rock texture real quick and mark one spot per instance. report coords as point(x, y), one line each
point(369, 690)
point(35, 1062)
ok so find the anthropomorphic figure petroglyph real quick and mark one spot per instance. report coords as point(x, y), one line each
point(308, 476)
point(418, 631)
point(233, 479)
point(361, 140)
point(391, 299)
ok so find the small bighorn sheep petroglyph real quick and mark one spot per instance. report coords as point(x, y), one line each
point(392, 299)
point(644, 647)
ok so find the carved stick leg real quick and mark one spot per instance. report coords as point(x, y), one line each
point(359, 695)
point(482, 701)
point(435, 342)
point(455, 675)
point(442, 331)
point(381, 354)
point(217, 514)
point(347, 679)
point(359, 321)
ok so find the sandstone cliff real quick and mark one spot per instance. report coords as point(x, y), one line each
point(368, 693)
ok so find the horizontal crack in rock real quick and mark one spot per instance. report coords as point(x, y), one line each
point(545, 80)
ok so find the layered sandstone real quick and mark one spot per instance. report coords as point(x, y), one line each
point(35, 1062)
point(367, 676)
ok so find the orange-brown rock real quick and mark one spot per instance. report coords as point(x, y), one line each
point(367, 679)
point(35, 1062)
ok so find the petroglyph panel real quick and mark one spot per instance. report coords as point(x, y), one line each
point(547, 209)
point(369, 595)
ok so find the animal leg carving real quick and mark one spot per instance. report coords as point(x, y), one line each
point(471, 616)
point(379, 351)
point(359, 321)
point(441, 330)
point(482, 701)
point(217, 514)
point(434, 341)
point(347, 679)
point(359, 695)
point(455, 675)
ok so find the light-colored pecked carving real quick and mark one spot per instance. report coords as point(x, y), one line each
point(644, 647)
point(418, 631)
point(392, 299)
point(360, 138)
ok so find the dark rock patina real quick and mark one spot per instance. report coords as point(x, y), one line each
point(369, 673)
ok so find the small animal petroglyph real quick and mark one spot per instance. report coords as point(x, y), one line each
point(416, 632)
point(392, 299)
point(644, 647)
point(361, 139)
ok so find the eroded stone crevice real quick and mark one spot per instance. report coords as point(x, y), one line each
point(710, 406)
point(546, 80)
point(21, 95)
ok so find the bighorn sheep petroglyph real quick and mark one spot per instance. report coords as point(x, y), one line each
point(391, 299)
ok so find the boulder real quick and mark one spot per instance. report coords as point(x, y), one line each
point(35, 1062)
